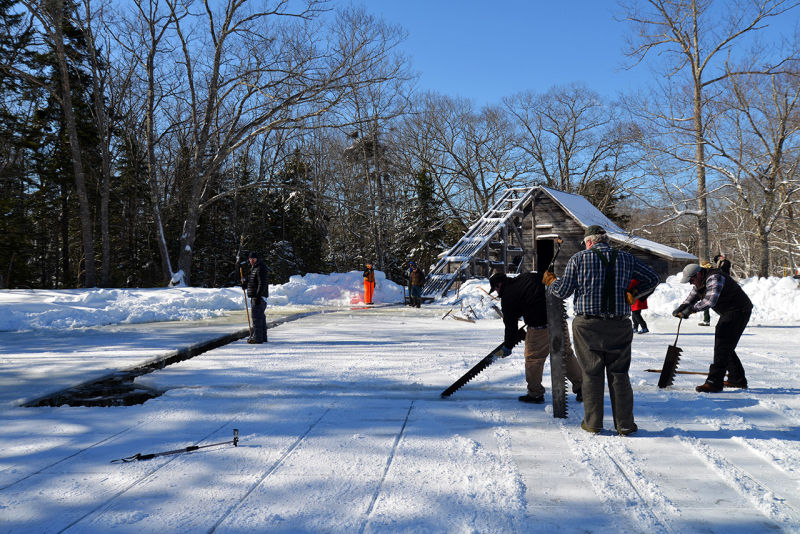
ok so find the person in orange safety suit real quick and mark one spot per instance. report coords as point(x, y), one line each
point(369, 283)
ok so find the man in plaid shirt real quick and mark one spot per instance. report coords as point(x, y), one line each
point(599, 277)
point(715, 289)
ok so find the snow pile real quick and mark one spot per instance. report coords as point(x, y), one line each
point(25, 309)
point(472, 300)
point(77, 308)
point(336, 289)
point(776, 300)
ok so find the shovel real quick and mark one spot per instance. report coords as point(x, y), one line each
point(671, 361)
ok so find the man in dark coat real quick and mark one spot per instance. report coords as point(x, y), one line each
point(716, 290)
point(524, 297)
point(257, 291)
point(722, 263)
point(416, 281)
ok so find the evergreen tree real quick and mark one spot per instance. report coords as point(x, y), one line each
point(426, 231)
point(603, 194)
point(15, 125)
point(294, 230)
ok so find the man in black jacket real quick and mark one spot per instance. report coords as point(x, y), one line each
point(524, 296)
point(257, 291)
point(716, 290)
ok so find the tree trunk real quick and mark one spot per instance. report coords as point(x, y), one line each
point(101, 118)
point(763, 260)
point(87, 233)
point(700, 161)
point(188, 236)
point(166, 265)
point(63, 279)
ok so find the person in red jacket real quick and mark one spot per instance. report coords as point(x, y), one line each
point(637, 305)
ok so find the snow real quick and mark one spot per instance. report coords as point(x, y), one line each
point(26, 309)
point(343, 429)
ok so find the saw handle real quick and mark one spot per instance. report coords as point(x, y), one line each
point(552, 265)
point(680, 320)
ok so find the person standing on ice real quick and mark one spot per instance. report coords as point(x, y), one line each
point(716, 290)
point(637, 305)
point(722, 263)
point(257, 291)
point(524, 297)
point(416, 280)
point(599, 277)
point(369, 283)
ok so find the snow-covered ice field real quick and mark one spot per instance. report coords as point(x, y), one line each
point(342, 428)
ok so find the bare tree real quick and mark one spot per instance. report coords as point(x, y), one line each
point(469, 153)
point(244, 72)
point(756, 139)
point(91, 22)
point(144, 36)
point(573, 139)
point(370, 110)
point(695, 37)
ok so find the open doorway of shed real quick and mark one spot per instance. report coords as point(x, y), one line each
point(545, 249)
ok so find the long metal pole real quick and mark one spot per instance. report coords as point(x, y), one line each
point(246, 308)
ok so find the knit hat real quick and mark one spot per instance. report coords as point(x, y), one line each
point(495, 280)
point(253, 254)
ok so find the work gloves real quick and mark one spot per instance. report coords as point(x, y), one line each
point(506, 351)
point(548, 278)
point(630, 296)
point(682, 311)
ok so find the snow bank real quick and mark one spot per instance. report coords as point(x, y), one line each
point(24, 309)
point(776, 301)
point(337, 289)
point(76, 308)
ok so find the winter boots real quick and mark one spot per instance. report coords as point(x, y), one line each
point(530, 399)
point(587, 428)
point(627, 431)
point(742, 384)
point(708, 387)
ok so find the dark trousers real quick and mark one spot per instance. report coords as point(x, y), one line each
point(729, 330)
point(638, 321)
point(416, 295)
point(258, 306)
point(603, 347)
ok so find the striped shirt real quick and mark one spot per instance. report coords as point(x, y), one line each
point(585, 277)
point(713, 289)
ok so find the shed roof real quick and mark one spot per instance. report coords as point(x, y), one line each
point(585, 214)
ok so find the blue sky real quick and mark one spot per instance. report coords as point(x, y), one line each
point(486, 50)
